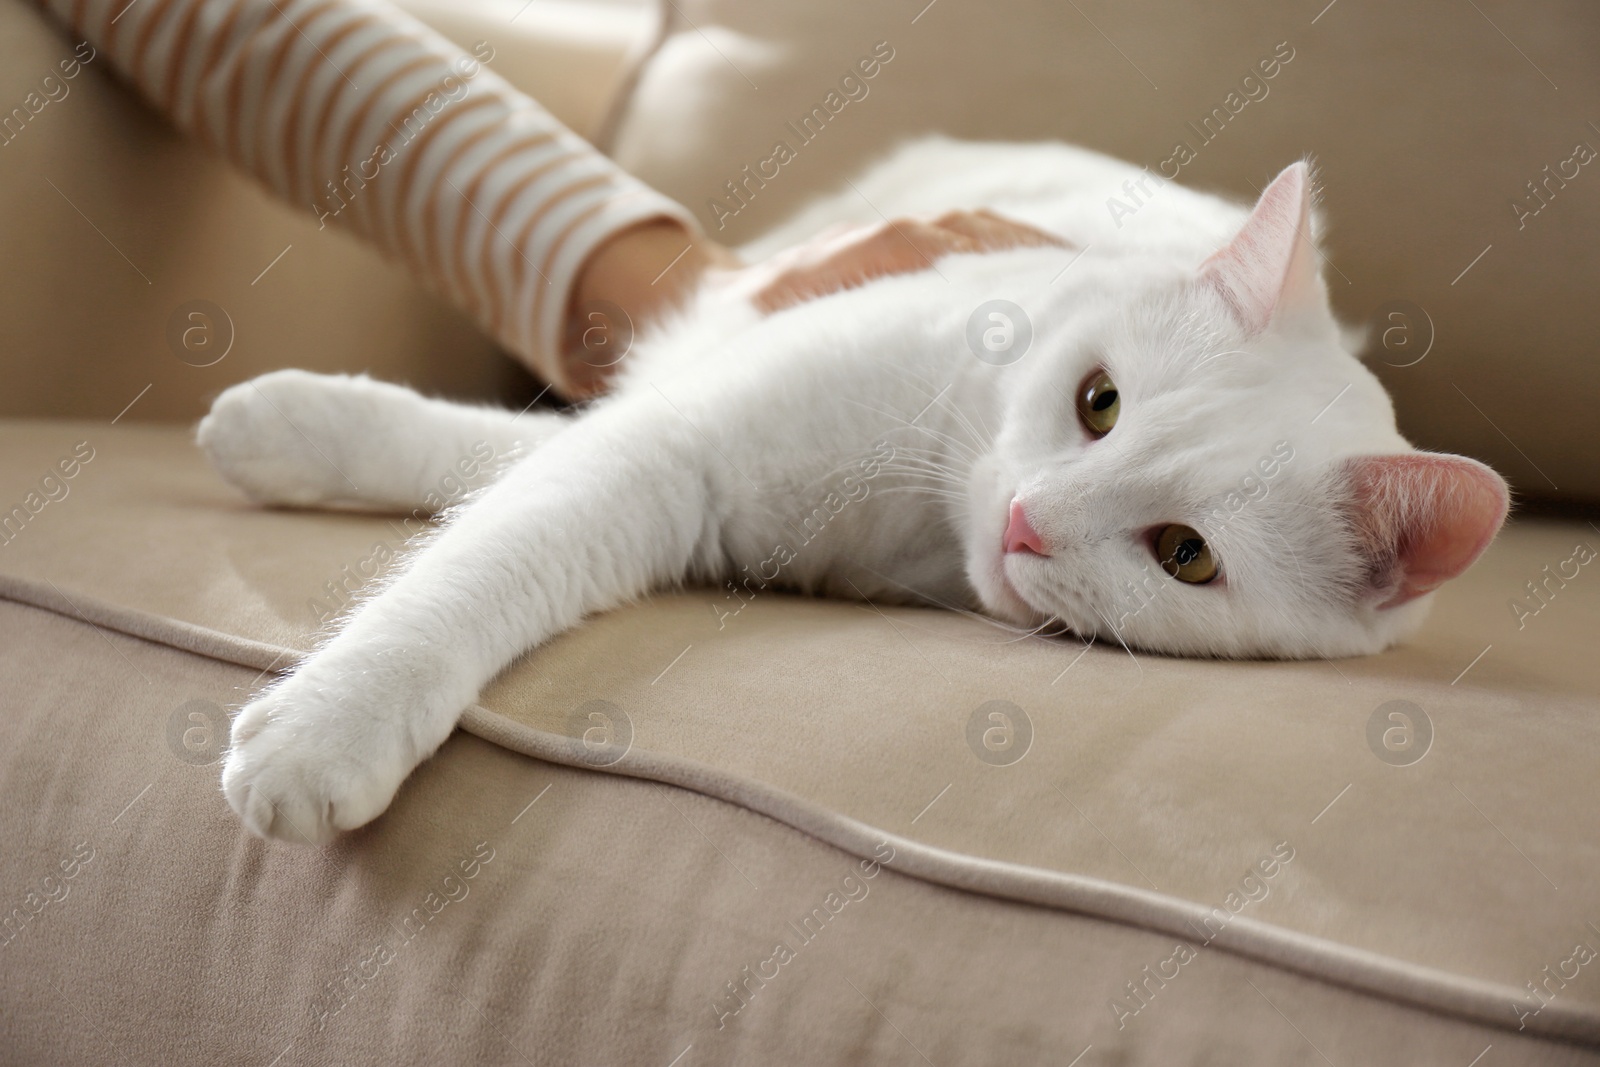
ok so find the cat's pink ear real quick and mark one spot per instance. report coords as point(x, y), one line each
point(1423, 518)
point(1271, 265)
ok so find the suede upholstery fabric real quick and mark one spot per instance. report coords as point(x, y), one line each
point(604, 929)
point(797, 738)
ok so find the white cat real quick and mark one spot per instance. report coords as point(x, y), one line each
point(1183, 458)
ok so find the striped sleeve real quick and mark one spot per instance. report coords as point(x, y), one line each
point(357, 111)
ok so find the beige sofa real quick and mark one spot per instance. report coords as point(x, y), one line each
point(809, 833)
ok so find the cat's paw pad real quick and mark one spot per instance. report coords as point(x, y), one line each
point(304, 772)
point(276, 437)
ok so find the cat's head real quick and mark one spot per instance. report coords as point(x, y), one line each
point(1189, 461)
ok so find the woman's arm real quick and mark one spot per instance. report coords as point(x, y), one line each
point(367, 118)
point(374, 122)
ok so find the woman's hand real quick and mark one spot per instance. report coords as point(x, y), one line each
point(644, 272)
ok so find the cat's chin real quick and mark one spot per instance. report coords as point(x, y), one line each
point(1000, 598)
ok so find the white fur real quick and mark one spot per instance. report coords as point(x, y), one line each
point(728, 430)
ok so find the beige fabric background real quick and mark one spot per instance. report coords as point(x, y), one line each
point(1158, 776)
point(1424, 119)
point(611, 914)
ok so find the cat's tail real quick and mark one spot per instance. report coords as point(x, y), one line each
point(314, 440)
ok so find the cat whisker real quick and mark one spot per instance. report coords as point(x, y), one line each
point(921, 468)
point(967, 451)
point(989, 619)
point(930, 470)
point(912, 462)
point(929, 489)
point(983, 441)
point(1118, 635)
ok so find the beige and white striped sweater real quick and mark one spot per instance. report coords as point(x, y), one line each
point(372, 120)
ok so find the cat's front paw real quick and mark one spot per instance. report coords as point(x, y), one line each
point(277, 438)
point(303, 769)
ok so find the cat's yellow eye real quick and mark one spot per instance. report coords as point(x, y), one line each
point(1184, 554)
point(1098, 403)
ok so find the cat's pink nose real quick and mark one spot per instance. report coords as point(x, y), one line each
point(1020, 534)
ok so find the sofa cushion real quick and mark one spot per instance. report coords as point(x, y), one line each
point(1319, 817)
point(510, 911)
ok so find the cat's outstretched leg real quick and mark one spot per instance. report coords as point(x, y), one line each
point(621, 502)
point(303, 439)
